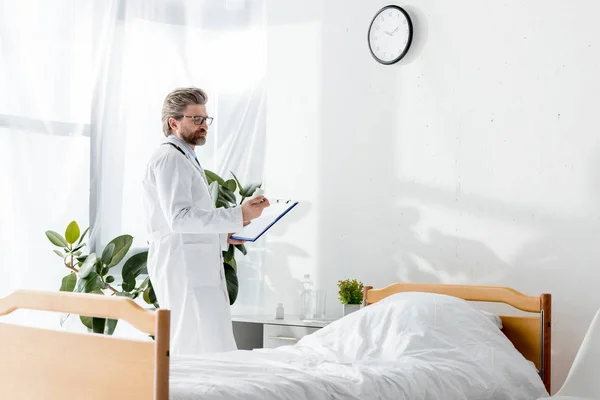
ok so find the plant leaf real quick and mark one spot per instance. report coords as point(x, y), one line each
point(242, 248)
point(135, 265)
point(211, 177)
point(72, 232)
point(68, 282)
point(152, 294)
point(108, 252)
point(232, 283)
point(78, 247)
point(99, 267)
point(227, 194)
point(56, 239)
point(98, 324)
point(149, 295)
point(109, 279)
point(90, 284)
point(83, 235)
point(221, 203)
point(232, 263)
point(128, 283)
point(238, 183)
point(111, 324)
point(122, 244)
point(125, 294)
point(251, 188)
point(61, 255)
point(230, 184)
point(229, 253)
point(87, 321)
point(87, 266)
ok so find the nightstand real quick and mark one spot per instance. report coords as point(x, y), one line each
point(264, 331)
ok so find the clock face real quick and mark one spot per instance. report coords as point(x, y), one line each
point(390, 34)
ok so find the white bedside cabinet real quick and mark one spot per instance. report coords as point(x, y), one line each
point(264, 331)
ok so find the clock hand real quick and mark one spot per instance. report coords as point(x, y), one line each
point(394, 31)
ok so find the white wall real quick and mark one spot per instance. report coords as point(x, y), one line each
point(474, 160)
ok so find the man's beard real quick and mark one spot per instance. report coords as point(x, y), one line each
point(195, 138)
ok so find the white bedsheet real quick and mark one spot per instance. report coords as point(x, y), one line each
point(408, 346)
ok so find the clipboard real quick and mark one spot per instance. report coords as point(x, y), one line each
point(270, 215)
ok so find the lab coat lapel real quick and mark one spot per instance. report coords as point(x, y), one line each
point(191, 158)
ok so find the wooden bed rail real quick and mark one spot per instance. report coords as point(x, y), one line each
point(48, 364)
point(496, 294)
point(81, 304)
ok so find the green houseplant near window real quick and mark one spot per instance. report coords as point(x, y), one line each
point(224, 194)
point(91, 273)
point(350, 295)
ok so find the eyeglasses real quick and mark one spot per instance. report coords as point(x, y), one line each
point(198, 120)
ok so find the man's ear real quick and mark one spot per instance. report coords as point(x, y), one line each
point(172, 123)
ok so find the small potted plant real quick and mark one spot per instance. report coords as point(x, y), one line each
point(351, 295)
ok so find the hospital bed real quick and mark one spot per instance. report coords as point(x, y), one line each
point(38, 363)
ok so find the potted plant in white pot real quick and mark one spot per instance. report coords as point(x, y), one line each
point(350, 295)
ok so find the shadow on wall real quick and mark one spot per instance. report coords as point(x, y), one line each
point(267, 279)
point(560, 261)
point(359, 191)
point(446, 258)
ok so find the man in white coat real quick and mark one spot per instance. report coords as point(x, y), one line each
point(187, 233)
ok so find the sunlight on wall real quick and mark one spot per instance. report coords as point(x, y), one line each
point(149, 43)
point(293, 115)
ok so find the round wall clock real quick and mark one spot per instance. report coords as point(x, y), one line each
point(390, 34)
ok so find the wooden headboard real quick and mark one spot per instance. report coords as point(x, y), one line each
point(48, 364)
point(531, 335)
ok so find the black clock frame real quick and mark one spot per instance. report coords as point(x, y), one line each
point(410, 34)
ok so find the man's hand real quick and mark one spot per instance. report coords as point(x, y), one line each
point(233, 241)
point(254, 207)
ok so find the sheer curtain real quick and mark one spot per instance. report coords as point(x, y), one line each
point(81, 90)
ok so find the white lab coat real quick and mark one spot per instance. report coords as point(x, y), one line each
point(186, 236)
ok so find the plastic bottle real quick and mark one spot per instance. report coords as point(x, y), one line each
point(279, 311)
point(307, 299)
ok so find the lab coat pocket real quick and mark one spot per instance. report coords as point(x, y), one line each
point(203, 264)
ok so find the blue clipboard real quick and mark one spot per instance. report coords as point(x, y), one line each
point(257, 227)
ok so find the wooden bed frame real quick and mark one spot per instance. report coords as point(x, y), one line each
point(44, 364)
point(531, 335)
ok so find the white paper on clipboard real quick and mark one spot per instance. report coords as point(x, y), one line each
point(270, 215)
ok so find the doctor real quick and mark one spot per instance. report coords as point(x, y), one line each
point(187, 233)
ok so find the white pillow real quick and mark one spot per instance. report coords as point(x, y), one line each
point(402, 323)
point(493, 317)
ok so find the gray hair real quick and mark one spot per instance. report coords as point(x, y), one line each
point(177, 101)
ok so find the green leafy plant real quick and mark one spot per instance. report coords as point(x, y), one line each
point(223, 193)
point(350, 291)
point(90, 273)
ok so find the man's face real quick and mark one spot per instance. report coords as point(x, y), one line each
point(187, 130)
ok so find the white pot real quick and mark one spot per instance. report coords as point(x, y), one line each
point(350, 308)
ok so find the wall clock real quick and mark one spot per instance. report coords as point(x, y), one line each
point(390, 34)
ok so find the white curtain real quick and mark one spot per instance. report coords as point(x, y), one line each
point(81, 89)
